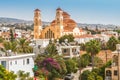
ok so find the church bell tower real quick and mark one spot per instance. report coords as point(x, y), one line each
point(37, 24)
point(59, 22)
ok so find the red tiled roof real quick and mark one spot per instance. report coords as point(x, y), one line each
point(84, 36)
point(81, 30)
point(68, 29)
point(65, 13)
point(69, 21)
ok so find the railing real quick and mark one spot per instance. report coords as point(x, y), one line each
point(108, 78)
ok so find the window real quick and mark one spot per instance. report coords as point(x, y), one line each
point(65, 50)
point(115, 72)
point(108, 73)
point(3, 63)
point(73, 50)
point(11, 63)
point(28, 61)
point(23, 62)
point(15, 62)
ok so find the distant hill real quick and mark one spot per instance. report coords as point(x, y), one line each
point(12, 20)
point(6, 20)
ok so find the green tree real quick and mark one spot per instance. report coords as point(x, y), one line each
point(96, 73)
point(84, 75)
point(111, 44)
point(93, 47)
point(83, 61)
point(24, 76)
point(90, 75)
point(98, 62)
point(82, 46)
point(51, 49)
point(11, 35)
point(6, 75)
point(69, 37)
point(23, 46)
point(1, 39)
point(94, 76)
point(71, 66)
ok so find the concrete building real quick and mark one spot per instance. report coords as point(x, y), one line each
point(15, 63)
point(113, 72)
point(68, 50)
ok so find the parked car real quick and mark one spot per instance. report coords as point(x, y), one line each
point(69, 77)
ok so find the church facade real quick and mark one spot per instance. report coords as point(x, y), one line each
point(62, 25)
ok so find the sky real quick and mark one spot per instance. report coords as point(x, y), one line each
point(82, 11)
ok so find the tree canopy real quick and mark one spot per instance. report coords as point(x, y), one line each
point(6, 75)
point(93, 47)
point(69, 37)
point(111, 44)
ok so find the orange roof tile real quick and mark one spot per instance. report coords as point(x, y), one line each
point(65, 13)
point(84, 36)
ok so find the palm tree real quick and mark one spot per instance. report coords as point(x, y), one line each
point(10, 46)
point(93, 47)
point(23, 46)
point(111, 44)
point(51, 49)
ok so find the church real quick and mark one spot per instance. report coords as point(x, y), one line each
point(60, 26)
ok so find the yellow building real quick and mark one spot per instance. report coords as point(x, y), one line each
point(62, 25)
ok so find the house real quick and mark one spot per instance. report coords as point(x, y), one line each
point(111, 73)
point(84, 38)
point(5, 33)
point(68, 50)
point(23, 62)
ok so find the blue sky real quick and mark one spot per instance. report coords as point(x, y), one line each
point(83, 11)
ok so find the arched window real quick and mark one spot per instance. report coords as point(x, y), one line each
point(45, 35)
point(49, 34)
point(115, 60)
point(53, 35)
point(108, 73)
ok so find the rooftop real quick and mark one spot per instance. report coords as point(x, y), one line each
point(17, 56)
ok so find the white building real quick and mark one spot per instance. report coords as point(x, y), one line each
point(15, 63)
point(75, 32)
point(4, 29)
point(68, 50)
point(18, 33)
point(84, 38)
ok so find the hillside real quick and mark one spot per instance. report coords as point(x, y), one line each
point(5, 20)
point(13, 20)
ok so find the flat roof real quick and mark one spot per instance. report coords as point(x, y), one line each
point(18, 56)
